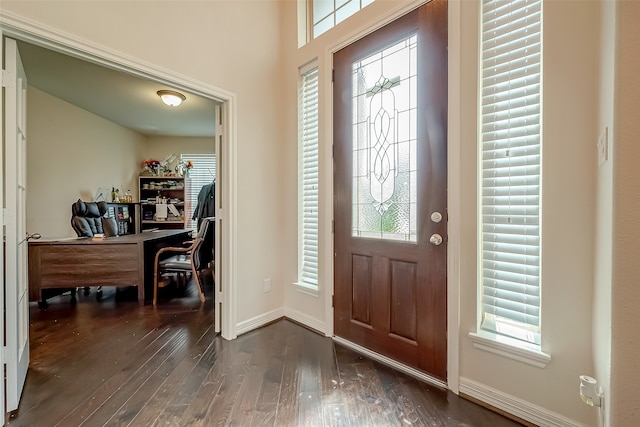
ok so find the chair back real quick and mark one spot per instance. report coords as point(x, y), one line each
point(86, 217)
point(203, 250)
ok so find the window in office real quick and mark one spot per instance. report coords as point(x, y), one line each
point(202, 173)
point(510, 167)
point(308, 178)
point(326, 14)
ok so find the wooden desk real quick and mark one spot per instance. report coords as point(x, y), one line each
point(115, 261)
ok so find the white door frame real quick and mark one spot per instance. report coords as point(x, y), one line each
point(2, 352)
point(18, 28)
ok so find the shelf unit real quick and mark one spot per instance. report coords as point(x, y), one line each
point(153, 189)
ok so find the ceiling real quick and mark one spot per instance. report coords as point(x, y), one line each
point(124, 99)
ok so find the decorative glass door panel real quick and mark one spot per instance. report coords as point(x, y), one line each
point(384, 143)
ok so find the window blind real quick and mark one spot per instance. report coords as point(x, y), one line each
point(510, 167)
point(308, 179)
point(203, 172)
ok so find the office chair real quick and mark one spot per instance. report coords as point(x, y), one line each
point(189, 260)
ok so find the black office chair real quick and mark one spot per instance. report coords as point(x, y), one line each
point(189, 260)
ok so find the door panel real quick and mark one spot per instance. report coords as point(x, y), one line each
point(390, 118)
point(16, 282)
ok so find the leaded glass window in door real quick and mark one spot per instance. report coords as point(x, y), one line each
point(385, 144)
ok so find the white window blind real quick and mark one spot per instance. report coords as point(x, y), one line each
point(203, 172)
point(308, 179)
point(510, 167)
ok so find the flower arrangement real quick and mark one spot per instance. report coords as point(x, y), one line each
point(150, 167)
point(183, 167)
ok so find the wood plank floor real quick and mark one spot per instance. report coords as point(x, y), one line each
point(113, 363)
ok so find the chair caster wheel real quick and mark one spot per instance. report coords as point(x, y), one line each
point(86, 291)
point(99, 295)
point(43, 305)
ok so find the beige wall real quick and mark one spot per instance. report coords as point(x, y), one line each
point(70, 153)
point(625, 296)
point(604, 215)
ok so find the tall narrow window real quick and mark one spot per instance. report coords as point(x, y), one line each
point(202, 173)
point(308, 179)
point(510, 160)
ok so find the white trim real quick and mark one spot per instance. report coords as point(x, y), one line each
point(390, 362)
point(515, 406)
point(453, 197)
point(489, 342)
point(259, 321)
point(306, 289)
point(304, 319)
point(36, 33)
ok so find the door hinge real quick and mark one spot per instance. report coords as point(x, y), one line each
point(333, 300)
point(333, 75)
point(333, 226)
point(3, 355)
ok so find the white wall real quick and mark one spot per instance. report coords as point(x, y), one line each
point(70, 153)
point(234, 45)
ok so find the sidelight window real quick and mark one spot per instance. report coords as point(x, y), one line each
point(510, 169)
point(308, 178)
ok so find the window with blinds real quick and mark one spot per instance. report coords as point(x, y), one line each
point(510, 166)
point(308, 179)
point(203, 172)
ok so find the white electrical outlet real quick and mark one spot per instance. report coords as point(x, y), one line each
point(267, 285)
point(603, 146)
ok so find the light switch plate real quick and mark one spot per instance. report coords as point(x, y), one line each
point(603, 146)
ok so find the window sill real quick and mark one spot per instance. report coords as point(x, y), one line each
point(509, 348)
point(306, 289)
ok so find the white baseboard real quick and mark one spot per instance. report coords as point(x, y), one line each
point(306, 320)
point(515, 406)
point(258, 321)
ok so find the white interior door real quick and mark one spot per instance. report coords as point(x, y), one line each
point(2, 354)
point(217, 309)
point(15, 169)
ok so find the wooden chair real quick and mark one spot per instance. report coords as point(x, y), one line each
point(188, 260)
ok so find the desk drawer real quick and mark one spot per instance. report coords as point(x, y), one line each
point(85, 265)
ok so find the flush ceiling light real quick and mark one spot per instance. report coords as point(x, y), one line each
point(171, 97)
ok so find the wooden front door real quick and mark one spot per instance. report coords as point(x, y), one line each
point(390, 190)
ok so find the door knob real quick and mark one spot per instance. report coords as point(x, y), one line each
point(436, 239)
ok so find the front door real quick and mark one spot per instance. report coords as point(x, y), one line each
point(390, 136)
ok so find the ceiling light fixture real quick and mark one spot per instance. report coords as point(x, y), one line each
point(171, 97)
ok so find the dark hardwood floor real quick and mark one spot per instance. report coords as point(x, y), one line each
point(115, 363)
